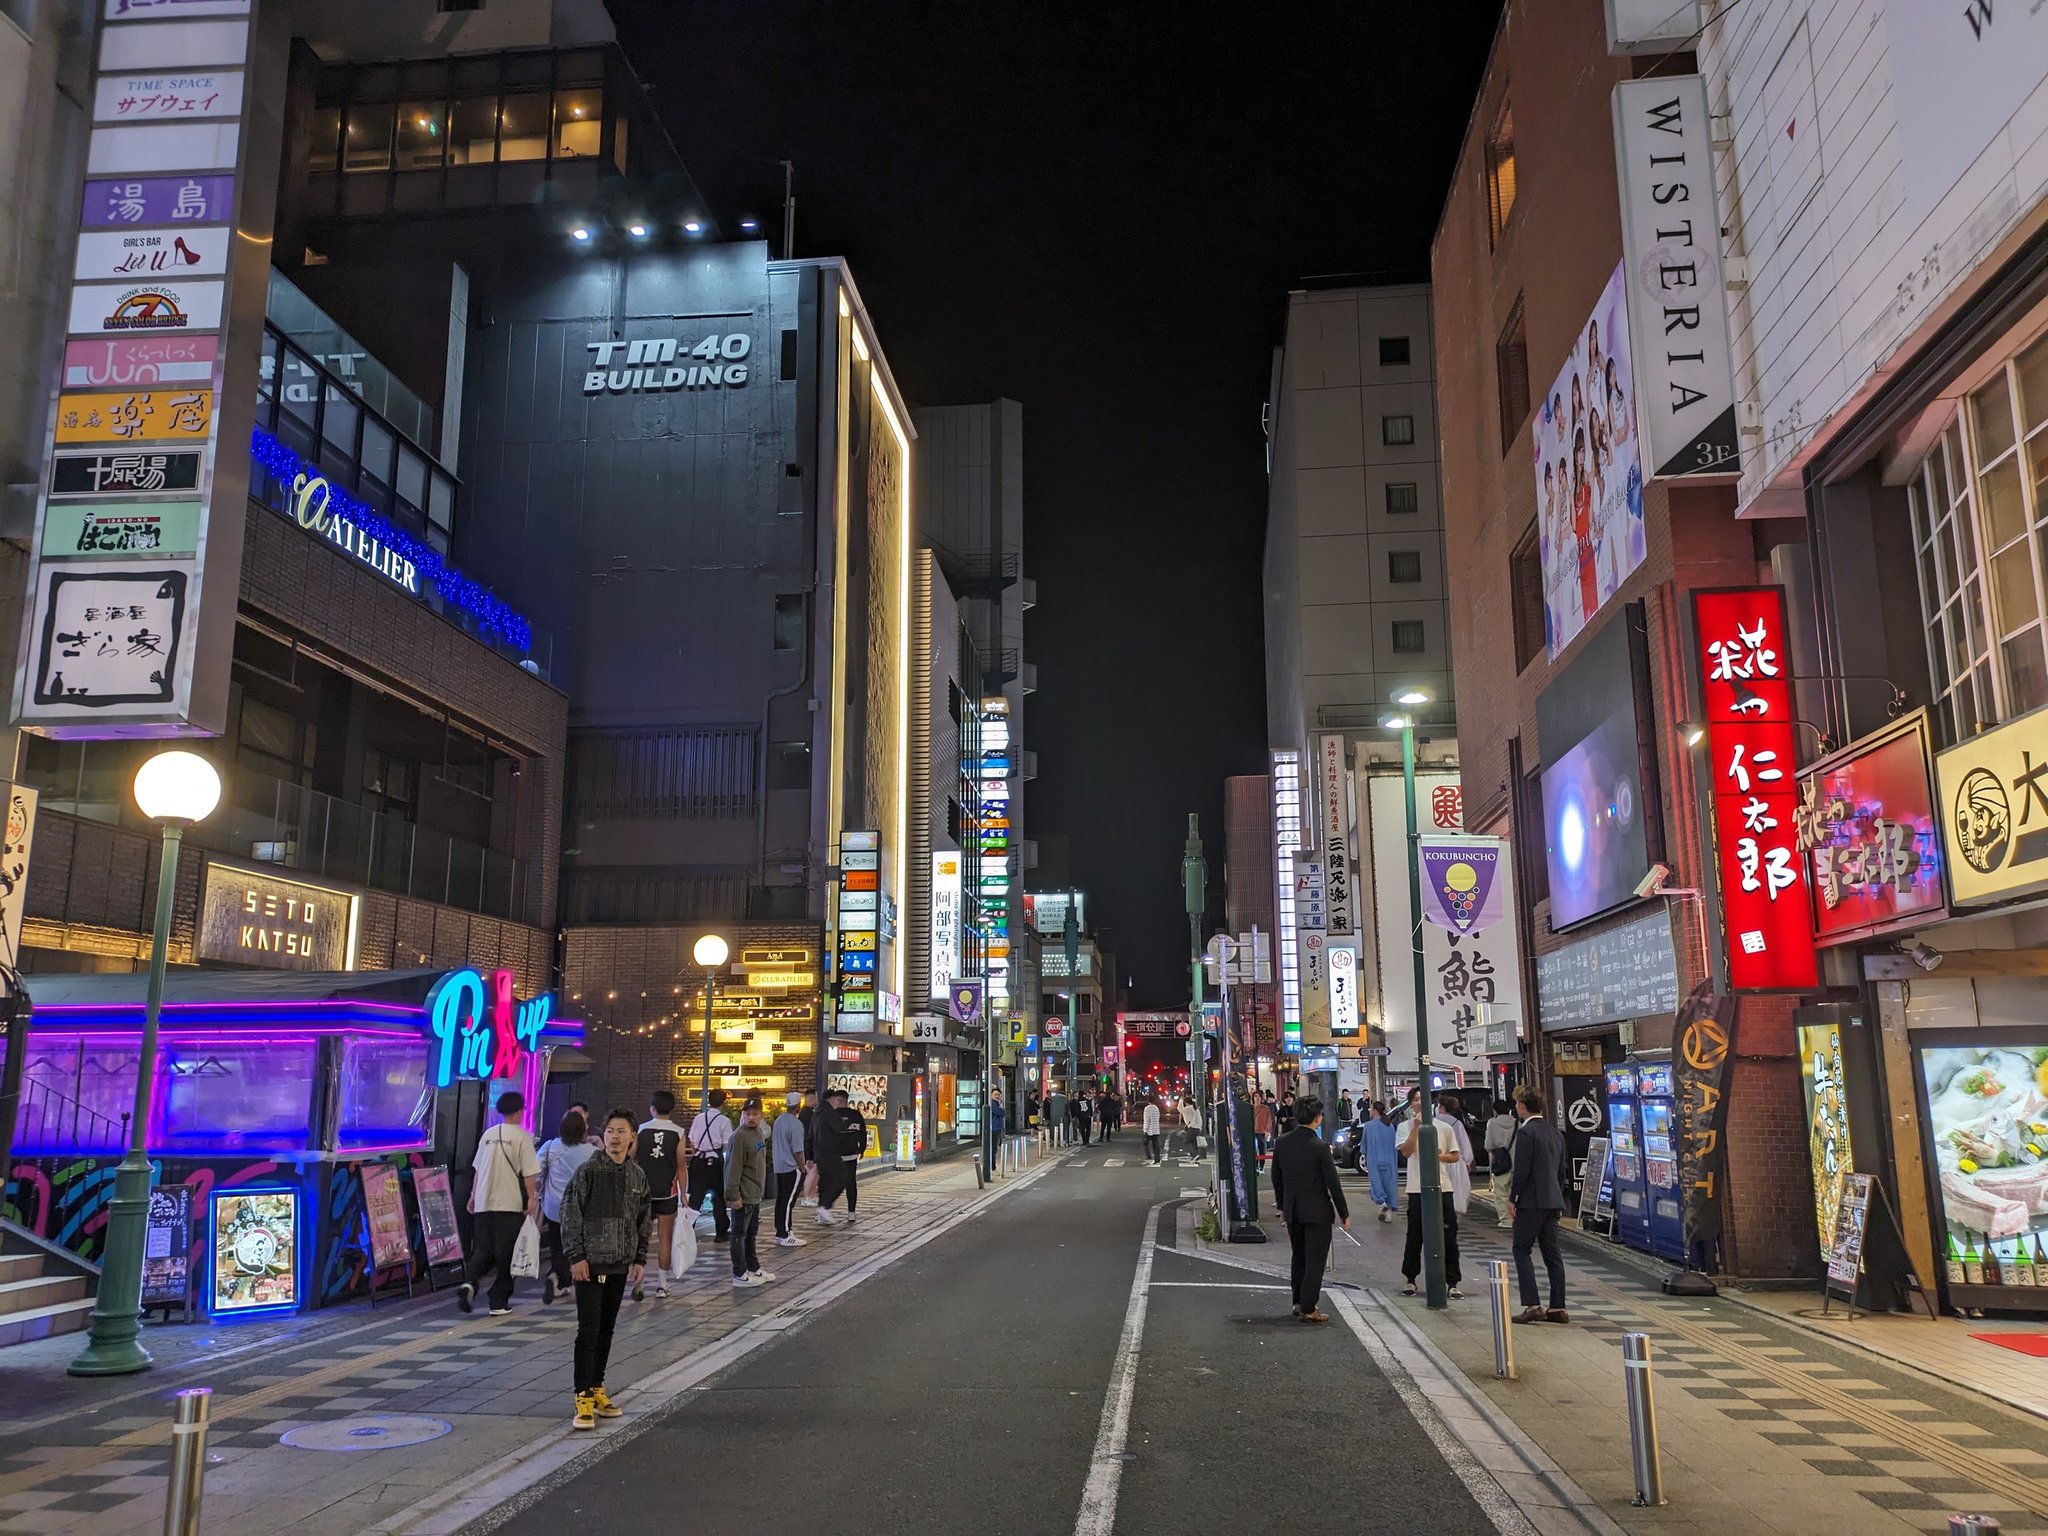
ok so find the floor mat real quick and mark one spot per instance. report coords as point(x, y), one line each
point(2035, 1344)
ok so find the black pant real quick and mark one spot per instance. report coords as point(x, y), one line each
point(1538, 1229)
point(558, 1261)
point(786, 1186)
point(1411, 1257)
point(746, 1230)
point(1083, 1124)
point(707, 1177)
point(837, 1176)
point(1310, 1242)
point(1152, 1153)
point(497, 1232)
point(597, 1310)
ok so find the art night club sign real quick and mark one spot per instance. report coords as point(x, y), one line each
point(1752, 753)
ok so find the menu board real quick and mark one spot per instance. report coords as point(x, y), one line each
point(1852, 1212)
point(1821, 1080)
point(384, 1211)
point(167, 1247)
point(1626, 972)
point(255, 1253)
point(1591, 1192)
point(437, 1216)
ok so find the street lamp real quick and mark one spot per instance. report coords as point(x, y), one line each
point(1194, 875)
point(174, 789)
point(710, 952)
point(1430, 1184)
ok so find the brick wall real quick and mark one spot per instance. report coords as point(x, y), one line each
point(374, 628)
point(1556, 254)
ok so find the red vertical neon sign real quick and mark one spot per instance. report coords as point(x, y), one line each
point(1752, 752)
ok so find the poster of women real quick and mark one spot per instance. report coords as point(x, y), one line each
point(1589, 477)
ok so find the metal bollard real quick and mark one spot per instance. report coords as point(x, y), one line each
point(1644, 1457)
point(1503, 1325)
point(188, 1462)
point(1973, 1525)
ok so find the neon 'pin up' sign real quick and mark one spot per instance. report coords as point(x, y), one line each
point(483, 1031)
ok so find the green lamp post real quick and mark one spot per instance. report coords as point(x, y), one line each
point(173, 789)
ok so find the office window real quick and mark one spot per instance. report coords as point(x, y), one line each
point(1500, 169)
point(473, 131)
point(1404, 565)
point(789, 765)
point(367, 144)
point(323, 150)
point(1397, 431)
point(789, 621)
point(1525, 590)
point(1408, 637)
point(1980, 516)
point(1393, 351)
point(1401, 499)
point(1511, 374)
point(523, 126)
point(422, 134)
point(579, 123)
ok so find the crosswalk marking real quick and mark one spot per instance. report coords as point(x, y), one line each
point(1113, 1162)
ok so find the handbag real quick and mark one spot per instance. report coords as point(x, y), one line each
point(682, 1249)
point(1501, 1162)
point(526, 1252)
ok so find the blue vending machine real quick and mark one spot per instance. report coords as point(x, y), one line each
point(1657, 1111)
point(1625, 1160)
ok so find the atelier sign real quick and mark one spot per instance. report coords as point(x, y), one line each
point(259, 919)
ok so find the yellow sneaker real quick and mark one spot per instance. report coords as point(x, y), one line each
point(586, 1411)
point(601, 1401)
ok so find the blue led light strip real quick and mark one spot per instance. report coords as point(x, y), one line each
point(493, 617)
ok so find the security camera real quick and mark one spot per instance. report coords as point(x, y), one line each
point(1926, 956)
point(1652, 883)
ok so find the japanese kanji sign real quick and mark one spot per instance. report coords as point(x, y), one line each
point(1994, 812)
point(136, 416)
point(1752, 762)
point(1868, 832)
point(110, 634)
point(1469, 954)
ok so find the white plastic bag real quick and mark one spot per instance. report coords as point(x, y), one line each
point(526, 1252)
point(682, 1251)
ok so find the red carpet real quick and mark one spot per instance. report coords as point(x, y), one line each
point(2035, 1344)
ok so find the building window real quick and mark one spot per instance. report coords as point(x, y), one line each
point(1511, 374)
point(523, 126)
point(1397, 431)
point(1401, 499)
point(367, 144)
point(1393, 351)
point(1408, 637)
point(789, 621)
point(1404, 565)
point(323, 152)
point(1525, 589)
point(579, 124)
point(1500, 170)
point(1980, 514)
point(789, 765)
point(473, 131)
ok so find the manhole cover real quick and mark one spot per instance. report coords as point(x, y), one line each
point(371, 1432)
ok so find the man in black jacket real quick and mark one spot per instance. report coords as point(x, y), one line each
point(1536, 1205)
point(842, 1138)
point(1310, 1198)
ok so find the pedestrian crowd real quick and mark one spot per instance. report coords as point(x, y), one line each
point(599, 1192)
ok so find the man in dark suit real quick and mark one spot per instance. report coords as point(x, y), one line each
point(1310, 1198)
point(1536, 1205)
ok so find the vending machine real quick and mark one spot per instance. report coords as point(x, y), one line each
point(1656, 1110)
point(1625, 1160)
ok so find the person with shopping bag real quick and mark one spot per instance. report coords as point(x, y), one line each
point(710, 1131)
point(658, 1151)
point(559, 1160)
point(500, 1191)
point(607, 1218)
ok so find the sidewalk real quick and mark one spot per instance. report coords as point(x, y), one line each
point(1765, 1425)
point(414, 1418)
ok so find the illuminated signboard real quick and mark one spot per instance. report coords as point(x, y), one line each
point(483, 1032)
point(1286, 782)
point(1870, 836)
point(991, 843)
point(256, 918)
point(860, 864)
point(658, 365)
point(1825, 1087)
point(254, 1251)
point(946, 948)
point(1752, 757)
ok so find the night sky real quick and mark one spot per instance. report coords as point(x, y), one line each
point(1096, 210)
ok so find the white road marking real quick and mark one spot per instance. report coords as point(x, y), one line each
point(1214, 1285)
point(1113, 1162)
point(1097, 1515)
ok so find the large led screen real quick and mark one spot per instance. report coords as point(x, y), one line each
point(1599, 800)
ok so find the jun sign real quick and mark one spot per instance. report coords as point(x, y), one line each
point(1752, 759)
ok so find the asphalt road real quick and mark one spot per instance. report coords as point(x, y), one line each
point(964, 1389)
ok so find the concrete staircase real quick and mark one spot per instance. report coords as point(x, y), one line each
point(40, 1296)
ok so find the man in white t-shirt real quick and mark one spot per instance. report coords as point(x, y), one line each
point(1454, 1175)
point(709, 1133)
point(500, 1190)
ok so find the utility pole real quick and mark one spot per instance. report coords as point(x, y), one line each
point(1071, 934)
point(1431, 1183)
point(788, 210)
point(1194, 874)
